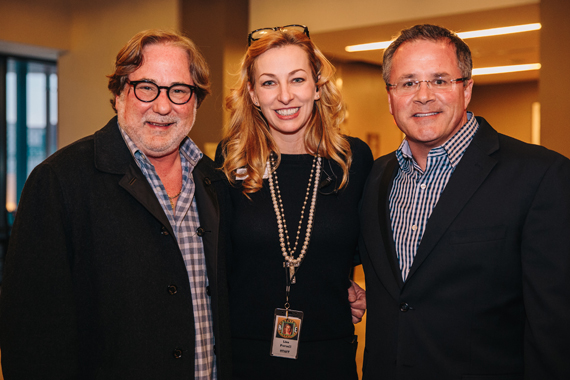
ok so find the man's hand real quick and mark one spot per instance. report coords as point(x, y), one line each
point(357, 299)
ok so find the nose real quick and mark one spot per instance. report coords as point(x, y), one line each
point(162, 105)
point(424, 93)
point(285, 95)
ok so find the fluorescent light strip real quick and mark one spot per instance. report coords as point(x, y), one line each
point(370, 46)
point(464, 35)
point(505, 69)
point(500, 31)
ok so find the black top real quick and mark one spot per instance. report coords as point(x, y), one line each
point(256, 273)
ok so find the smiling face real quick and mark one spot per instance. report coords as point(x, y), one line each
point(158, 127)
point(428, 119)
point(286, 91)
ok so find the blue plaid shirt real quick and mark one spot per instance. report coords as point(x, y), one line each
point(415, 192)
point(184, 223)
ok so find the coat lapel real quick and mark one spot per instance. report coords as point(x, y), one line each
point(209, 213)
point(376, 228)
point(113, 156)
point(384, 218)
point(137, 185)
point(469, 175)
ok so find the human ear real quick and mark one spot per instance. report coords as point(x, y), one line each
point(317, 93)
point(252, 94)
point(467, 91)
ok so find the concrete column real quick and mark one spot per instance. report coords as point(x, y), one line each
point(554, 88)
point(219, 28)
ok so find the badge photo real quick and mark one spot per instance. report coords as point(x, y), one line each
point(286, 332)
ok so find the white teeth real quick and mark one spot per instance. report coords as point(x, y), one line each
point(287, 112)
point(425, 114)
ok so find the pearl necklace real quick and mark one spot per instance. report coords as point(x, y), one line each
point(288, 254)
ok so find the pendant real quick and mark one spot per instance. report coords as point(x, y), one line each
point(292, 278)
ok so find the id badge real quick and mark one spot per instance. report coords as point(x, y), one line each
point(286, 332)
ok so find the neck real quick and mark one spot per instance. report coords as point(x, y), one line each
point(165, 163)
point(420, 153)
point(420, 150)
point(169, 169)
point(291, 144)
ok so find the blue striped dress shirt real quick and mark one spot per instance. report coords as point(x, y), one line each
point(415, 192)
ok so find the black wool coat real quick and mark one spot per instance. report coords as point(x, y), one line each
point(95, 286)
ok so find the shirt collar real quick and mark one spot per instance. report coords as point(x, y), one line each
point(453, 148)
point(188, 148)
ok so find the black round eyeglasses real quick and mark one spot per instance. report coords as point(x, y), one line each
point(147, 91)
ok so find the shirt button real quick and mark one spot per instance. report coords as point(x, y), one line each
point(404, 307)
point(423, 186)
point(172, 289)
point(177, 353)
point(414, 228)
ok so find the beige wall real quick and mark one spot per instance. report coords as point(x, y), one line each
point(326, 15)
point(507, 107)
point(220, 31)
point(88, 36)
point(366, 100)
point(98, 32)
point(36, 22)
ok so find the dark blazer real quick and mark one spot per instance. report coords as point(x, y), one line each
point(95, 285)
point(488, 294)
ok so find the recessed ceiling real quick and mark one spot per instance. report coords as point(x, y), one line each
point(512, 49)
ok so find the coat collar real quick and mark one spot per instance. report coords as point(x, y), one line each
point(113, 156)
point(469, 175)
point(473, 169)
point(111, 152)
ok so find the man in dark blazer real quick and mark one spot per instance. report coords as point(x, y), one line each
point(465, 233)
point(115, 268)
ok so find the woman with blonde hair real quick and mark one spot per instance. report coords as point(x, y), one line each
point(296, 184)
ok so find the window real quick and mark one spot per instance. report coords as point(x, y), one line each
point(28, 127)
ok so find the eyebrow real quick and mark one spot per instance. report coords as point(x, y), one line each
point(290, 74)
point(153, 81)
point(434, 76)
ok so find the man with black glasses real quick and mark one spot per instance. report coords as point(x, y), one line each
point(466, 233)
point(115, 268)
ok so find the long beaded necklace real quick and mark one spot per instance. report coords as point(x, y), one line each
point(289, 253)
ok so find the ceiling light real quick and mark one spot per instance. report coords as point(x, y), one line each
point(370, 46)
point(464, 35)
point(505, 69)
point(500, 31)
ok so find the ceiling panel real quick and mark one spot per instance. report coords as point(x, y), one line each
point(520, 48)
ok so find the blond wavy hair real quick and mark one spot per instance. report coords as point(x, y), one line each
point(247, 141)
